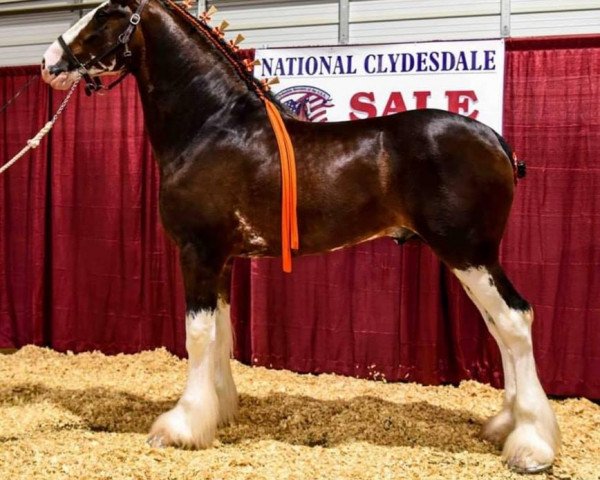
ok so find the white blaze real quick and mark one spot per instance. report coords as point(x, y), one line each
point(55, 51)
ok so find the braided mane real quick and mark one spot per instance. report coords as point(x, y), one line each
point(231, 54)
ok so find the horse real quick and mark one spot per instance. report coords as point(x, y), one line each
point(439, 177)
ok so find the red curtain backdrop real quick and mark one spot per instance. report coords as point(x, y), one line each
point(24, 211)
point(84, 263)
point(113, 276)
point(552, 247)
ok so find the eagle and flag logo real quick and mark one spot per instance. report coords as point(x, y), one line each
point(306, 102)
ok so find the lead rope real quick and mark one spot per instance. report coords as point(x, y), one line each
point(34, 142)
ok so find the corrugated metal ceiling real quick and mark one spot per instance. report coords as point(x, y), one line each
point(23, 38)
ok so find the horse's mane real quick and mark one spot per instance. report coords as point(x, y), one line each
point(226, 50)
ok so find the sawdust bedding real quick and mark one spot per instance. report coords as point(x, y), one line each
point(86, 417)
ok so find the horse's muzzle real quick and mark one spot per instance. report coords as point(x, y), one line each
point(55, 69)
point(58, 77)
point(58, 68)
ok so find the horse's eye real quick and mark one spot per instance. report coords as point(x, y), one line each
point(92, 37)
point(101, 14)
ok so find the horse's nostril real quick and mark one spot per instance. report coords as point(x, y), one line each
point(43, 62)
point(56, 69)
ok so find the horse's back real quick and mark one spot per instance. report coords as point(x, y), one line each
point(428, 140)
point(444, 176)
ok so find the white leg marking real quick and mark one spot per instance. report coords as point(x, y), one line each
point(224, 384)
point(193, 421)
point(533, 443)
point(498, 427)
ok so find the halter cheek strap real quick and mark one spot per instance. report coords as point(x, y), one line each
point(81, 68)
point(93, 84)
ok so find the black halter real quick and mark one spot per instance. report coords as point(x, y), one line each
point(93, 84)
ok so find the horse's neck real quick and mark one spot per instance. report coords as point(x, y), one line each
point(185, 86)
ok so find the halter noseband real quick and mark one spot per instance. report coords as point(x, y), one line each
point(93, 84)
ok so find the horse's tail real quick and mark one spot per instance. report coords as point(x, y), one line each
point(519, 166)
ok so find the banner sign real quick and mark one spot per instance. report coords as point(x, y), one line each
point(360, 81)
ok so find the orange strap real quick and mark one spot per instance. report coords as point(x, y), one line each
point(289, 195)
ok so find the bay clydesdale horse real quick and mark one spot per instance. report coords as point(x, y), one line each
point(443, 178)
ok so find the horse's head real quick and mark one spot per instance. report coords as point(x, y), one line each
point(97, 44)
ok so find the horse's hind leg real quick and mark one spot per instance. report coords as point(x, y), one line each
point(535, 439)
point(498, 427)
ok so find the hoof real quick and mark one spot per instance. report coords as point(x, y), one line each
point(526, 452)
point(497, 428)
point(156, 440)
point(532, 470)
point(185, 426)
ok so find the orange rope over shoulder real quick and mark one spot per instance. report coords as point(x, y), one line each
point(289, 194)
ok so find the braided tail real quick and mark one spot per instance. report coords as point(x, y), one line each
point(519, 167)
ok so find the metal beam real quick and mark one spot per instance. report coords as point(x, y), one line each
point(51, 7)
point(505, 18)
point(201, 7)
point(344, 22)
point(77, 14)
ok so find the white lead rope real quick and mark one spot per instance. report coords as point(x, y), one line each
point(35, 141)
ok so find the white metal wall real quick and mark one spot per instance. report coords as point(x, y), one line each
point(24, 38)
point(398, 21)
point(281, 23)
point(554, 17)
point(274, 23)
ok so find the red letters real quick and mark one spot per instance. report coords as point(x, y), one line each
point(459, 100)
point(363, 102)
point(394, 104)
point(421, 98)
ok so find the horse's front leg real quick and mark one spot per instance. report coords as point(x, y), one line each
point(192, 423)
point(224, 384)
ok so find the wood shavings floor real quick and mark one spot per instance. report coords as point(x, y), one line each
point(86, 417)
